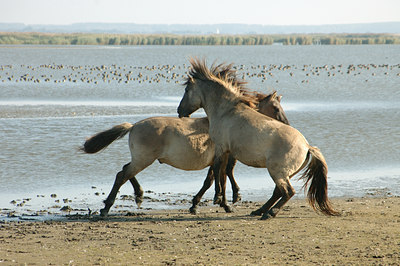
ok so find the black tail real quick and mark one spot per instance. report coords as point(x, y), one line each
point(317, 173)
point(103, 139)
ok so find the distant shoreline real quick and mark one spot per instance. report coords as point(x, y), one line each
point(36, 38)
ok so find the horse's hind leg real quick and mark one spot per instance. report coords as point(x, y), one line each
point(224, 202)
point(286, 190)
point(138, 191)
point(274, 198)
point(206, 185)
point(235, 188)
point(128, 171)
point(120, 179)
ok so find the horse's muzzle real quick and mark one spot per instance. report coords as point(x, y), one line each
point(181, 115)
point(181, 112)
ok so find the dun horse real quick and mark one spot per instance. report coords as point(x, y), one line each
point(183, 143)
point(255, 140)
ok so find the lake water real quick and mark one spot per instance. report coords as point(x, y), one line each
point(344, 99)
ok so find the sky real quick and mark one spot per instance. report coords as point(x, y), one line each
point(264, 12)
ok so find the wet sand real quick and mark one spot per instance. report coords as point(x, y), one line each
point(367, 232)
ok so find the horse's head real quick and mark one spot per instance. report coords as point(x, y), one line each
point(191, 100)
point(270, 105)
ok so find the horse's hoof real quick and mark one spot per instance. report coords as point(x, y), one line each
point(266, 216)
point(103, 213)
point(256, 213)
point(218, 199)
point(193, 210)
point(228, 209)
point(139, 200)
point(236, 197)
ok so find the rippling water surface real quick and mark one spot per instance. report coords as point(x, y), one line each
point(344, 99)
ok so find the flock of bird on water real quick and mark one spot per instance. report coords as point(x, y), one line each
point(91, 74)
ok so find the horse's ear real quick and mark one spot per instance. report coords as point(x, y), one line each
point(279, 98)
point(263, 97)
point(273, 96)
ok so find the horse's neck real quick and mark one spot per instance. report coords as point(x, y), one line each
point(217, 110)
point(217, 103)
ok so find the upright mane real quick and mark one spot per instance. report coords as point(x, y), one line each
point(225, 75)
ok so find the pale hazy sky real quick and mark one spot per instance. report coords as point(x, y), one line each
point(266, 12)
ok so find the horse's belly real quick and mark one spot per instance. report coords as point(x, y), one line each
point(259, 162)
point(185, 157)
point(188, 161)
point(250, 155)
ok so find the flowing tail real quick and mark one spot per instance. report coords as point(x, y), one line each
point(103, 139)
point(317, 173)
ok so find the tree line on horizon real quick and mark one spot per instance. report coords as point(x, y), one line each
point(175, 39)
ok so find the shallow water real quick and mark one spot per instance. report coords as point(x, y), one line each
point(344, 99)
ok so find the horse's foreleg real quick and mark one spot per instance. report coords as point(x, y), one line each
point(275, 196)
point(206, 185)
point(287, 192)
point(219, 167)
point(120, 179)
point(138, 191)
point(235, 188)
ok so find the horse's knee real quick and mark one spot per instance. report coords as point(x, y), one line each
point(289, 192)
point(125, 168)
point(120, 175)
point(124, 175)
point(285, 189)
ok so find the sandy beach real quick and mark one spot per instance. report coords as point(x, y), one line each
point(367, 232)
